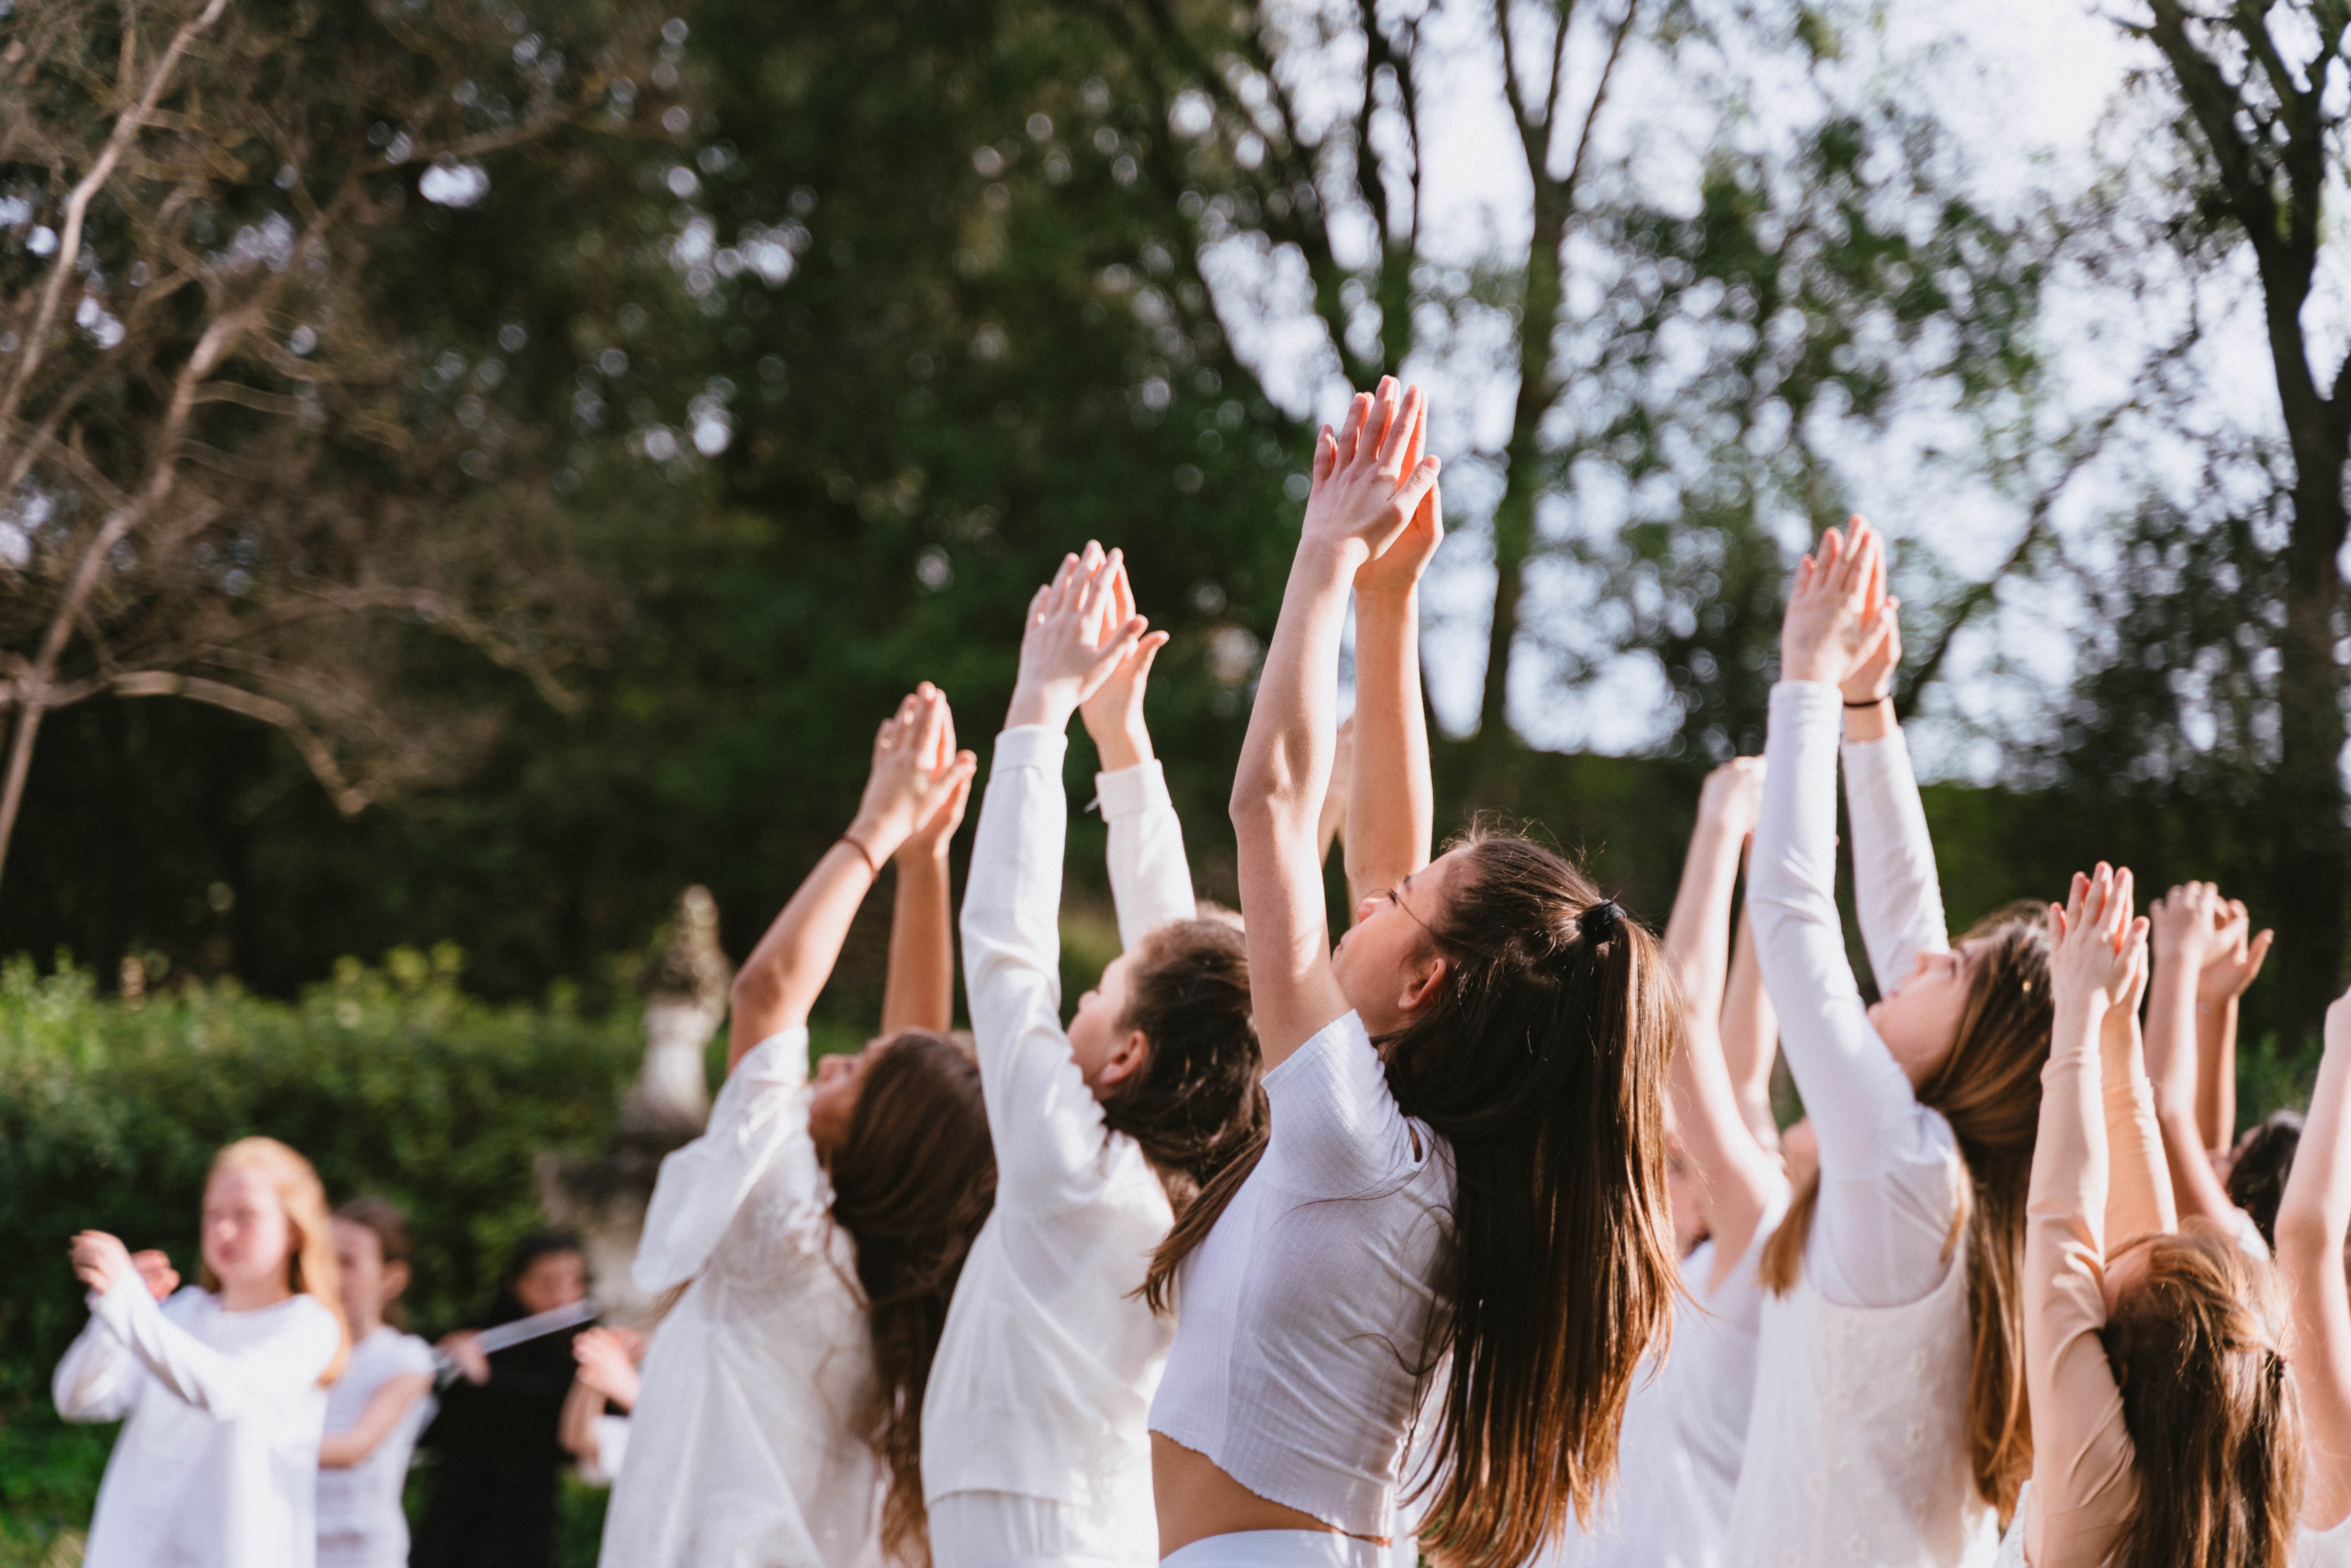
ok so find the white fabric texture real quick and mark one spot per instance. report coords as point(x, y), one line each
point(1277, 1548)
point(1002, 1530)
point(610, 1436)
point(1891, 1178)
point(1045, 1372)
point(1303, 1311)
point(1856, 1452)
point(360, 1524)
point(2328, 1548)
point(1685, 1430)
point(218, 1465)
point(2011, 1540)
point(746, 1444)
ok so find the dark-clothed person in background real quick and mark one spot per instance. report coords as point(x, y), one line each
point(493, 1499)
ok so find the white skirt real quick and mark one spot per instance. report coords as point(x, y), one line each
point(1008, 1530)
point(1279, 1549)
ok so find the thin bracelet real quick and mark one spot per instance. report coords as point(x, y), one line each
point(1873, 702)
point(863, 852)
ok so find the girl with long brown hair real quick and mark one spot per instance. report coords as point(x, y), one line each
point(816, 1228)
point(2313, 1219)
point(224, 1382)
point(2165, 1424)
point(1033, 1442)
point(1890, 1421)
point(1459, 1203)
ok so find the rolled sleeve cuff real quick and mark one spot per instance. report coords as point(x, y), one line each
point(1029, 746)
point(1809, 699)
point(1132, 791)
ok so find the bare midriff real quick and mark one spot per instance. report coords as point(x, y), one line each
point(1197, 1499)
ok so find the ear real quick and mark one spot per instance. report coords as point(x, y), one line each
point(395, 1281)
point(1421, 982)
point(1126, 1059)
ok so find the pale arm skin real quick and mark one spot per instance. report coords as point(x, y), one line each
point(1391, 802)
point(1334, 823)
point(913, 781)
point(2234, 964)
point(342, 1450)
point(2186, 934)
point(1737, 1176)
point(576, 1428)
point(919, 991)
point(1751, 1038)
point(2313, 1218)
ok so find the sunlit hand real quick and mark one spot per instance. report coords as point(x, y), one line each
point(1114, 715)
point(2235, 959)
point(1396, 571)
point(101, 1262)
point(1363, 497)
point(1070, 648)
point(2119, 1044)
point(609, 1365)
point(940, 759)
point(1732, 795)
point(914, 773)
point(155, 1268)
point(1830, 631)
point(2190, 922)
point(2093, 943)
point(464, 1348)
point(1872, 680)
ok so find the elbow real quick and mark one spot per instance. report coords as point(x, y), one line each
point(757, 987)
point(2305, 1233)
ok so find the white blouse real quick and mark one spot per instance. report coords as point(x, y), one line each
point(360, 1524)
point(218, 1465)
point(1047, 1366)
point(748, 1443)
point(1307, 1311)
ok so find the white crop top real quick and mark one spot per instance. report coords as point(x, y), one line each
point(1305, 1315)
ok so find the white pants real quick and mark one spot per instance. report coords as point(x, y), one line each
point(1008, 1529)
point(1279, 1549)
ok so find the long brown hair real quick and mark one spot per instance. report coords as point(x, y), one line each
point(1542, 1063)
point(1196, 1101)
point(1988, 1087)
point(310, 1268)
point(2195, 1344)
point(911, 1184)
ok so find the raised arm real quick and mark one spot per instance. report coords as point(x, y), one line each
point(1739, 1180)
point(907, 787)
point(2187, 923)
point(1149, 879)
point(1750, 1036)
point(385, 1408)
point(1391, 803)
point(919, 992)
point(224, 1384)
point(2233, 965)
point(2312, 1219)
point(1896, 892)
point(2082, 1476)
point(1364, 498)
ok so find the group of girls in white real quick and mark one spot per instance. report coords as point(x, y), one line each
point(1471, 1237)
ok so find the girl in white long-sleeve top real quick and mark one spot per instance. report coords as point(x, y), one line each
point(1889, 1424)
point(1458, 1211)
point(224, 1385)
point(2313, 1219)
point(1033, 1432)
point(816, 1228)
point(1685, 1434)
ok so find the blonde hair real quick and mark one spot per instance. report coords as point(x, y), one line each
point(310, 1270)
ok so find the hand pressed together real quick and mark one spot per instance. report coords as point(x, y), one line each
point(1071, 648)
point(1369, 488)
point(918, 781)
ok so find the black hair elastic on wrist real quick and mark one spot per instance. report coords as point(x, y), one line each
point(1598, 923)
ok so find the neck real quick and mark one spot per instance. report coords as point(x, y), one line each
point(254, 1294)
point(364, 1324)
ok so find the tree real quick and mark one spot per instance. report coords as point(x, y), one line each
point(226, 475)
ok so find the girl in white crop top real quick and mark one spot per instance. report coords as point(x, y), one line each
point(1033, 1441)
point(1889, 1257)
point(1489, 1006)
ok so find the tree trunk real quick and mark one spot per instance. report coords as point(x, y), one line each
point(2309, 872)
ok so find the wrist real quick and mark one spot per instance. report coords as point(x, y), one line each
point(1387, 600)
point(1036, 702)
point(1122, 747)
point(1339, 558)
point(875, 836)
point(922, 854)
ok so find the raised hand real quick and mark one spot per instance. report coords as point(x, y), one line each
point(1395, 572)
point(1365, 495)
point(1071, 647)
point(1872, 680)
point(608, 1364)
point(100, 1261)
point(1732, 795)
point(2095, 945)
point(932, 836)
point(2191, 922)
point(1113, 714)
point(1834, 628)
point(2234, 960)
point(155, 1268)
point(915, 775)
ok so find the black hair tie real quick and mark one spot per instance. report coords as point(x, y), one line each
point(1598, 923)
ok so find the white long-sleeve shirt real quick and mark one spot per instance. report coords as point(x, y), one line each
point(1891, 1176)
point(748, 1442)
point(218, 1465)
point(360, 1524)
point(1049, 1360)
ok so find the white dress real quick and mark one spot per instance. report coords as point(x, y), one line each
point(746, 1447)
point(360, 1524)
point(2323, 1548)
point(1034, 1444)
point(1685, 1427)
point(218, 1465)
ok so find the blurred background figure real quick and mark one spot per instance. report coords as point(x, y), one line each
point(378, 1407)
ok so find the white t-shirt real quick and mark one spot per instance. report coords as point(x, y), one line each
point(1303, 1315)
point(218, 1463)
point(360, 1524)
